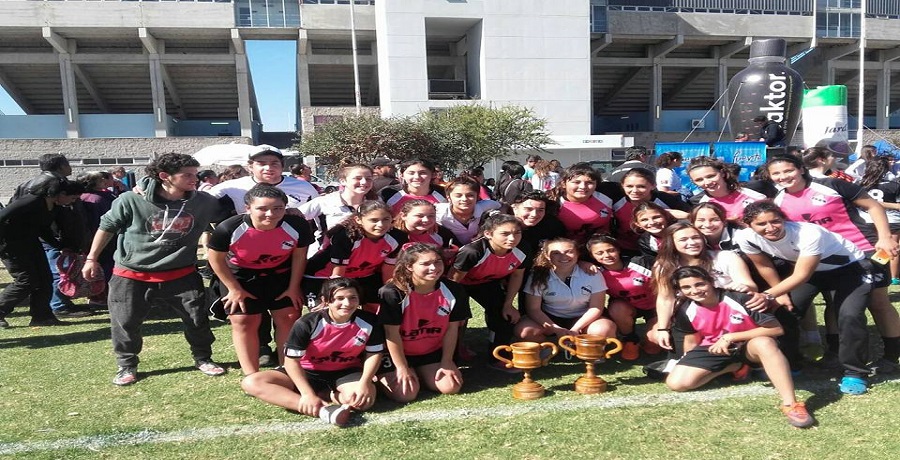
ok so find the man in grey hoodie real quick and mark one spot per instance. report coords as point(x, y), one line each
point(155, 260)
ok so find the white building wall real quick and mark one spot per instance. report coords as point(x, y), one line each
point(534, 53)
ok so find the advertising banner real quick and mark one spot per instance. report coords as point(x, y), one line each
point(749, 155)
point(688, 150)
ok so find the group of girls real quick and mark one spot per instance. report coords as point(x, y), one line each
point(586, 257)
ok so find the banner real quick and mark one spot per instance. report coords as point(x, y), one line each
point(825, 119)
point(749, 155)
point(688, 150)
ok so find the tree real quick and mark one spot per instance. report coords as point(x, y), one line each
point(460, 137)
point(472, 135)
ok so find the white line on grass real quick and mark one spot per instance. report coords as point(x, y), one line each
point(312, 425)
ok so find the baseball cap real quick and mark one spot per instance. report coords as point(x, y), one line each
point(382, 161)
point(265, 149)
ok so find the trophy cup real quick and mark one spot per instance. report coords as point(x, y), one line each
point(526, 356)
point(590, 348)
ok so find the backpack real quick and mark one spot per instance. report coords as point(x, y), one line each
point(71, 282)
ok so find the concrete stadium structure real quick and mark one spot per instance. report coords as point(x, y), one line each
point(177, 71)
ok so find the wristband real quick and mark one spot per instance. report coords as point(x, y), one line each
point(664, 330)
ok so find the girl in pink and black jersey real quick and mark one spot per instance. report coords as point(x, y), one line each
point(331, 357)
point(416, 177)
point(838, 206)
point(585, 204)
point(649, 220)
point(712, 221)
point(883, 187)
point(483, 266)
point(730, 336)
point(364, 248)
point(629, 285)
point(259, 258)
point(417, 218)
point(639, 186)
point(718, 185)
point(422, 316)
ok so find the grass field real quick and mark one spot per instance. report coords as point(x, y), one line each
point(56, 401)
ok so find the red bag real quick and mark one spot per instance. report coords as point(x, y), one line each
point(71, 283)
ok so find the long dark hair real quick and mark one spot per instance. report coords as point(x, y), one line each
point(668, 259)
point(731, 181)
point(408, 256)
point(578, 169)
point(540, 272)
point(649, 206)
point(792, 160)
point(691, 271)
point(876, 168)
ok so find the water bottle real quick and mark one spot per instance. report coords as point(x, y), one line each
point(768, 86)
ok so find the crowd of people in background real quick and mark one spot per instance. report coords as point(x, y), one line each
point(365, 289)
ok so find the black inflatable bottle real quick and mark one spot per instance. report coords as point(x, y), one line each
point(768, 86)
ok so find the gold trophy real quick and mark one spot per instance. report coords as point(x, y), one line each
point(526, 356)
point(590, 348)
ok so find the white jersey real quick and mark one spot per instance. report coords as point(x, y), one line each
point(331, 206)
point(464, 233)
point(298, 191)
point(802, 239)
point(568, 300)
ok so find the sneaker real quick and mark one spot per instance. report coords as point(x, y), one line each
point(829, 361)
point(47, 322)
point(797, 415)
point(501, 367)
point(4, 324)
point(267, 361)
point(895, 281)
point(651, 348)
point(853, 385)
point(125, 376)
point(884, 366)
point(210, 368)
point(631, 351)
point(69, 313)
point(335, 415)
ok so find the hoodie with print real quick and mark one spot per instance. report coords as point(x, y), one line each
point(156, 235)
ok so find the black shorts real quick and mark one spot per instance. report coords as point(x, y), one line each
point(701, 358)
point(565, 323)
point(265, 288)
point(881, 273)
point(322, 381)
point(387, 364)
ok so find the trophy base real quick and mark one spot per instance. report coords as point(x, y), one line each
point(590, 385)
point(528, 390)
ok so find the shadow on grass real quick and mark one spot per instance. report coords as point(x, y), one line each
point(94, 335)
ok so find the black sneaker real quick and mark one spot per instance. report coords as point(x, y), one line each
point(47, 322)
point(3, 324)
point(69, 313)
point(125, 376)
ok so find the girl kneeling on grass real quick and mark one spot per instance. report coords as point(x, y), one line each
point(730, 337)
point(259, 258)
point(561, 298)
point(330, 359)
point(421, 315)
point(629, 284)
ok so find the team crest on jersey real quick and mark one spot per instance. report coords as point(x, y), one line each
point(639, 281)
point(512, 266)
point(361, 338)
point(287, 245)
point(604, 213)
point(586, 290)
point(444, 308)
point(818, 200)
point(385, 252)
point(747, 202)
point(736, 318)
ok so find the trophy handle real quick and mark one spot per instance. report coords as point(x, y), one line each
point(615, 350)
point(507, 348)
point(562, 343)
point(553, 353)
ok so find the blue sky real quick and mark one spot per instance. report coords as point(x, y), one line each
point(273, 65)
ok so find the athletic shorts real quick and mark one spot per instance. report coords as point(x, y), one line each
point(265, 288)
point(322, 381)
point(881, 273)
point(565, 323)
point(701, 358)
point(387, 364)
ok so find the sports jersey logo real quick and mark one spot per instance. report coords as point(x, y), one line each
point(361, 338)
point(639, 281)
point(822, 221)
point(512, 266)
point(421, 329)
point(287, 245)
point(736, 318)
point(334, 357)
point(818, 200)
point(586, 290)
point(604, 213)
point(443, 309)
point(422, 323)
point(868, 279)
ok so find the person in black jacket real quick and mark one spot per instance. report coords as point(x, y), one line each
point(770, 131)
point(23, 224)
